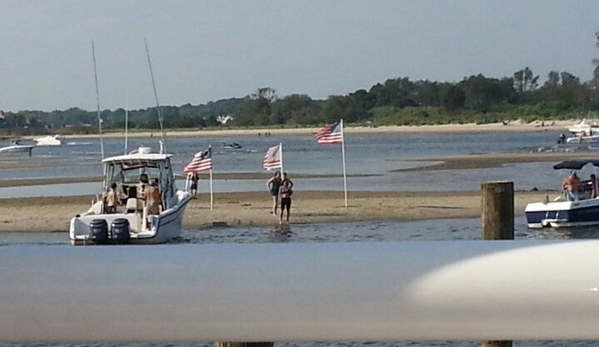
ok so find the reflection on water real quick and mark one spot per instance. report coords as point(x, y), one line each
point(378, 231)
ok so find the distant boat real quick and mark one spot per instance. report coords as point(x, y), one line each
point(561, 212)
point(16, 147)
point(583, 139)
point(586, 127)
point(49, 140)
point(233, 145)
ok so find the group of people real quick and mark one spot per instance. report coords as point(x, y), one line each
point(147, 191)
point(280, 187)
point(575, 189)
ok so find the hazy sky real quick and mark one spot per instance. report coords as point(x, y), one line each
point(210, 50)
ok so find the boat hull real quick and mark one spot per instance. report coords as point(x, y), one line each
point(559, 214)
point(164, 227)
point(17, 149)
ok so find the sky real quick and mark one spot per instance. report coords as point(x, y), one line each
point(205, 51)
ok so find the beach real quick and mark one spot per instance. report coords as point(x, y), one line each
point(254, 209)
point(512, 126)
point(52, 214)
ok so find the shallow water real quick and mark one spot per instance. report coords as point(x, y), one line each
point(430, 230)
point(366, 154)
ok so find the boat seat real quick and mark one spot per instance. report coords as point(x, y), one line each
point(134, 205)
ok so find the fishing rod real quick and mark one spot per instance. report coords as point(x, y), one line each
point(160, 117)
point(98, 100)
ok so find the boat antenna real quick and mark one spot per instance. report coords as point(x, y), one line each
point(98, 100)
point(126, 116)
point(160, 118)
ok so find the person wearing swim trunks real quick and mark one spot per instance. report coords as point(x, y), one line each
point(285, 192)
point(112, 200)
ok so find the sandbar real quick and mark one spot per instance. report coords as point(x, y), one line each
point(254, 208)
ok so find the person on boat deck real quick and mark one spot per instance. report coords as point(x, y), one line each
point(152, 198)
point(112, 200)
point(143, 183)
point(571, 185)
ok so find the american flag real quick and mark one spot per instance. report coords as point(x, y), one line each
point(202, 161)
point(273, 158)
point(330, 134)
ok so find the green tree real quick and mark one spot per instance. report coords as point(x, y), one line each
point(553, 80)
point(453, 98)
point(525, 81)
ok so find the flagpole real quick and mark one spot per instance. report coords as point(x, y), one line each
point(281, 150)
point(211, 194)
point(343, 155)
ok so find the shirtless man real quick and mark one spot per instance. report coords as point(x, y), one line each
point(112, 199)
point(152, 198)
point(285, 191)
point(571, 185)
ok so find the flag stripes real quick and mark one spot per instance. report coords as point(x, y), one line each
point(330, 134)
point(272, 159)
point(202, 161)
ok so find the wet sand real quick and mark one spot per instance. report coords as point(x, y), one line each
point(485, 161)
point(465, 162)
point(254, 209)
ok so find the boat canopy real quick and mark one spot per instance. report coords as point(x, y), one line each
point(576, 164)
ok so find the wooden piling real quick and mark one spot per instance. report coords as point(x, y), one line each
point(243, 344)
point(497, 213)
point(497, 210)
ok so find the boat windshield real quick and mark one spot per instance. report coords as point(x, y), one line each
point(124, 174)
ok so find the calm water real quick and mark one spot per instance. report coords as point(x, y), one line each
point(445, 229)
point(367, 154)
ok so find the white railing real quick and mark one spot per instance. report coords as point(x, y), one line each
point(474, 290)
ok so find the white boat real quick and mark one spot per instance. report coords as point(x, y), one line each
point(586, 127)
point(583, 139)
point(128, 224)
point(49, 140)
point(17, 147)
point(561, 212)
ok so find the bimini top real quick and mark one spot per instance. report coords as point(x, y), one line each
point(575, 164)
point(139, 156)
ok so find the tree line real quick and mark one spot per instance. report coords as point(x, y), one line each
point(397, 101)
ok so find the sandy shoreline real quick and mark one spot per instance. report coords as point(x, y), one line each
point(514, 126)
point(253, 209)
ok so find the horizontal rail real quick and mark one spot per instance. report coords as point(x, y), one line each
point(474, 290)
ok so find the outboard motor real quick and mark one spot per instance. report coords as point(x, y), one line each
point(120, 230)
point(98, 231)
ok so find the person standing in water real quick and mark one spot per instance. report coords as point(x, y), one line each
point(273, 185)
point(285, 191)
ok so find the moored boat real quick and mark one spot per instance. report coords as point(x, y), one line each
point(586, 127)
point(233, 145)
point(16, 147)
point(49, 140)
point(565, 211)
point(583, 139)
point(132, 221)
